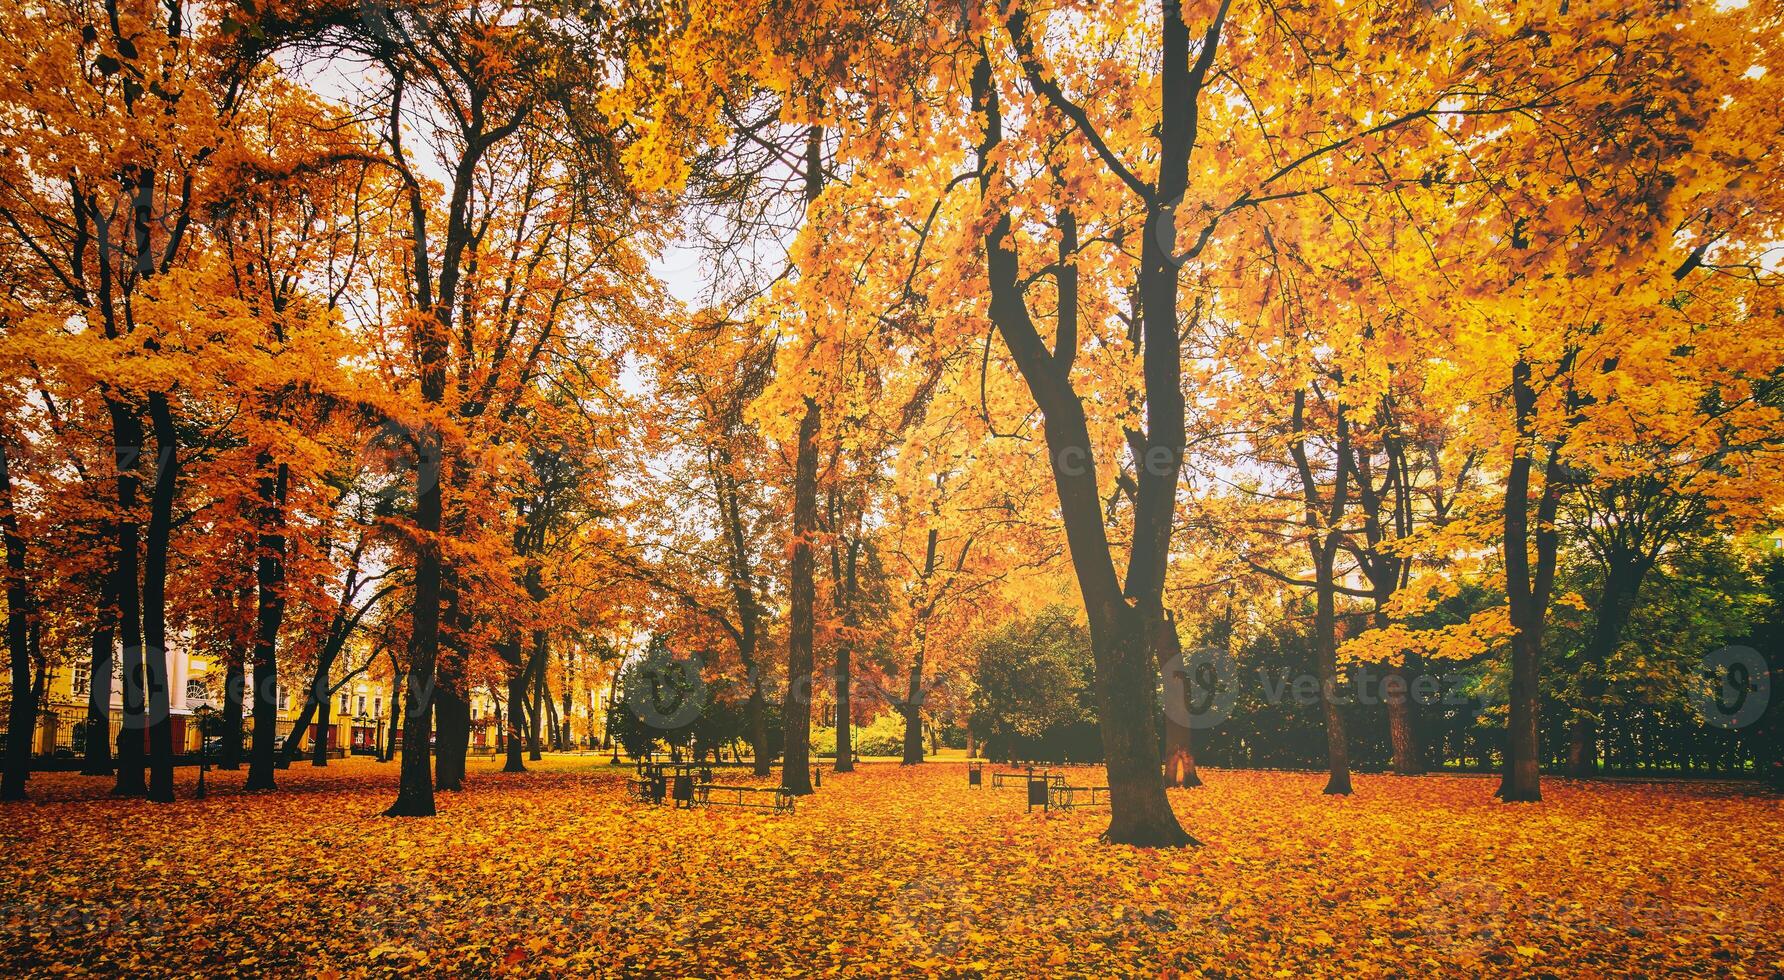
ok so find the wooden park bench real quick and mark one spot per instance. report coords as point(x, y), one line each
point(1049, 791)
point(1063, 797)
point(649, 787)
point(674, 782)
point(1017, 777)
point(752, 797)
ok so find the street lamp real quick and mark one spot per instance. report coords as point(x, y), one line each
point(607, 733)
point(204, 713)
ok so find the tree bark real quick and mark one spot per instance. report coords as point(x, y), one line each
point(1528, 587)
point(324, 713)
point(760, 763)
point(796, 709)
point(912, 706)
point(269, 578)
point(845, 726)
point(21, 722)
point(564, 735)
point(1321, 519)
point(127, 438)
point(1180, 756)
point(536, 701)
point(452, 723)
point(1122, 621)
point(397, 679)
point(234, 682)
point(845, 571)
point(743, 593)
point(513, 731)
point(1409, 756)
point(154, 598)
point(912, 709)
point(1141, 813)
point(1326, 656)
point(415, 787)
point(97, 758)
point(1616, 602)
point(802, 584)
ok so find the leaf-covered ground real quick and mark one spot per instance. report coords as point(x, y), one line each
point(889, 872)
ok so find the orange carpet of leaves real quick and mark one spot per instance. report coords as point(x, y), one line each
point(889, 872)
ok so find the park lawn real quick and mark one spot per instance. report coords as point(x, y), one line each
point(889, 872)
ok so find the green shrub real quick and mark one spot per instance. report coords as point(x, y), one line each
point(882, 736)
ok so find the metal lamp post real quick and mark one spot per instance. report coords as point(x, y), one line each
point(612, 742)
point(204, 713)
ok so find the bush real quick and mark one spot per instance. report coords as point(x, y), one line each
point(1033, 696)
point(882, 736)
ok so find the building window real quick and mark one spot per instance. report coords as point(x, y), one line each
point(362, 704)
point(378, 707)
point(195, 690)
point(82, 682)
point(284, 699)
point(343, 704)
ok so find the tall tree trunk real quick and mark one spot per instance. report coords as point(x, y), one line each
point(1528, 586)
point(536, 701)
point(415, 788)
point(1321, 520)
point(452, 704)
point(127, 438)
point(397, 684)
point(912, 706)
point(269, 580)
point(760, 763)
point(1325, 652)
point(452, 724)
point(97, 758)
point(796, 709)
point(553, 725)
point(1123, 620)
point(845, 565)
point(1767, 735)
point(845, 724)
point(324, 714)
point(154, 598)
point(513, 731)
point(314, 698)
point(1520, 782)
point(1616, 601)
point(1403, 734)
point(1141, 813)
point(564, 734)
point(1180, 756)
point(802, 584)
point(21, 721)
point(234, 683)
point(912, 709)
